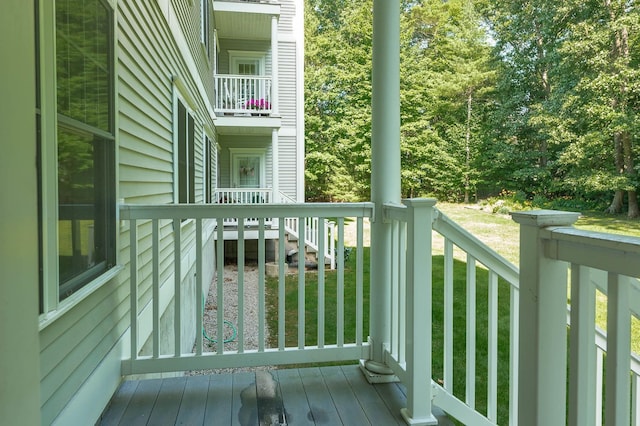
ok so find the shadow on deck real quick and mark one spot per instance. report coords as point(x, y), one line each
point(309, 396)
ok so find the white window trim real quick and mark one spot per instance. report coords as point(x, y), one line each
point(236, 56)
point(259, 152)
point(179, 94)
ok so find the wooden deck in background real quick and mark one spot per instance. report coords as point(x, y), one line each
point(337, 395)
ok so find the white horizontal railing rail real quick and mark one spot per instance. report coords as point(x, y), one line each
point(166, 249)
point(243, 94)
point(599, 389)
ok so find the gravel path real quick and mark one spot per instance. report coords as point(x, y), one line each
point(231, 327)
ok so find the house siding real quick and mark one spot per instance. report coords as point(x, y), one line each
point(226, 45)
point(287, 152)
point(73, 346)
point(288, 79)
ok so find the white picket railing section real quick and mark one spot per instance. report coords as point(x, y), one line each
point(157, 282)
point(243, 94)
point(604, 376)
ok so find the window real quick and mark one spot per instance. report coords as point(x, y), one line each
point(85, 157)
point(185, 130)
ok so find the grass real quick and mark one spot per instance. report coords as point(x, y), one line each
point(497, 231)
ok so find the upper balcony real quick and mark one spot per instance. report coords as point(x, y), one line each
point(245, 103)
point(245, 19)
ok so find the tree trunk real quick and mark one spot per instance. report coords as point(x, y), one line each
point(467, 184)
point(616, 205)
point(627, 149)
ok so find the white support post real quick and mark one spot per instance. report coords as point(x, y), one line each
point(418, 313)
point(543, 323)
point(385, 167)
point(275, 99)
point(275, 187)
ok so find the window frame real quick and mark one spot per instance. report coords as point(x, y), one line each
point(184, 151)
point(54, 301)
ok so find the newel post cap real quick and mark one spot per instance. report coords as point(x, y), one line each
point(544, 218)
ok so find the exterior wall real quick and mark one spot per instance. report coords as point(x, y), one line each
point(242, 45)
point(19, 361)
point(81, 348)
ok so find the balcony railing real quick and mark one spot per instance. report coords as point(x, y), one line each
point(536, 324)
point(243, 95)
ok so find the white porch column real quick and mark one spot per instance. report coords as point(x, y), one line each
point(275, 98)
point(542, 362)
point(385, 164)
point(275, 186)
point(20, 354)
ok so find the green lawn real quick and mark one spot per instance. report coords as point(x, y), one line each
point(498, 232)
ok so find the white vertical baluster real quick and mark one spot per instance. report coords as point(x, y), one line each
point(359, 281)
point(582, 359)
point(471, 332)
point(618, 361)
point(635, 400)
point(492, 367)
point(200, 297)
point(133, 286)
point(599, 385)
point(241, 284)
point(220, 287)
point(177, 287)
point(261, 286)
point(395, 288)
point(514, 356)
point(340, 285)
point(403, 229)
point(301, 283)
point(281, 285)
point(155, 243)
point(448, 315)
point(321, 300)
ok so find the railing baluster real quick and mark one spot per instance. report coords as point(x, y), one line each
point(359, 281)
point(471, 332)
point(281, 284)
point(261, 286)
point(220, 287)
point(395, 288)
point(582, 359)
point(177, 287)
point(403, 229)
point(599, 385)
point(448, 315)
point(198, 283)
point(301, 284)
point(155, 243)
point(514, 356)
point(340, 285)
point(635, 399)
point(321, 300)
point(492, 367)
point(618, 362)
point(133, 286)
point(240, 293)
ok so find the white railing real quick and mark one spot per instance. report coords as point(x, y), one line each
point(243, 196)
point(518, 369)
point(166, 251)
point(411, 263)
point(243, 94)
point(312, 234)
point(550, 248)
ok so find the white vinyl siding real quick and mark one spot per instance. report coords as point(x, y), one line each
point(224, 67)
point(288, 150)
point(287, 70)
point(74, 344)
point(287, 14)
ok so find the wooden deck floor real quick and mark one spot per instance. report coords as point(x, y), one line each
point(310, 396)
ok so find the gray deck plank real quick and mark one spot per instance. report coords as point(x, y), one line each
point(219, 406)
point(270, 406)
point(323, 411)
point(142, 402)
point(295, 401)
point(373, 405)
point(348, 406)
point(165, 411)
point(119, 403)
point(245, 406)
point(194, 401)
